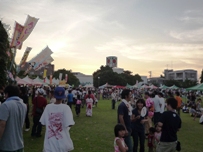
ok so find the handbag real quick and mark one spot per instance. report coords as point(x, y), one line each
point(178, 146)
point(38, 110)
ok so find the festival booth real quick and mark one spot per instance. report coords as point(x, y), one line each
point(173, 87)
point(197, 87)
point(145, 87)
point(37, 81)
point(129, 86)
point(21, 82)
point(164, 87)
point(27, 80)
point(118, 87)
point(153, 87)
point(88, 86)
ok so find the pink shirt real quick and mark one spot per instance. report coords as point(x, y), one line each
point(78, 102)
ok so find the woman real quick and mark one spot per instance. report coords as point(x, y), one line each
point(138, 128)
point(89, 103)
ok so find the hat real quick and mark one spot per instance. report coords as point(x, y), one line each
point(40, 90)
point(59, 93)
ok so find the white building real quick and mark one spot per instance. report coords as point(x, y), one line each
point(181, 75)
point(144, 79)
point(118, 70)
point(111, 61)
point(84, 79)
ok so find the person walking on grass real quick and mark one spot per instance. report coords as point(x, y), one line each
point(12, 118)
point(39, 103)
point(170, 123)
point(78, 105)
point(58, 119)
point(124, 114)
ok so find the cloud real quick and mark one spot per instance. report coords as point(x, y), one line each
point(190, 35)
point(152, 52)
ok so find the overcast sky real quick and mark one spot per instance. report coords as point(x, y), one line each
point(145, 35)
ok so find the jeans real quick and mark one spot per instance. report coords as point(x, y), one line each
point(70, 104)
point(128, 142)
point(113, 104)
point(20, 150)
point(37, 126)
point(138, 135)
point(156, 117)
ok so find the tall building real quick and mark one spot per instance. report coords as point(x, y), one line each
point(84, 79)
point(111, 61)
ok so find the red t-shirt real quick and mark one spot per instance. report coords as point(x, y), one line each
point(91, 96)
point(150, 140)
point(39, 102)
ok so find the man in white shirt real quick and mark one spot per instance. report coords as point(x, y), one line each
point(113, 98)
point(162, 102)
point(157, 108)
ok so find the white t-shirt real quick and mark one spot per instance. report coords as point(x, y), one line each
point(162, 103)
point(157, 107)
point(57, 118)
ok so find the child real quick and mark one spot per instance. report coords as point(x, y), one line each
point(119, 143)
point(157, 134)
point(151, 139)
point(77, 106)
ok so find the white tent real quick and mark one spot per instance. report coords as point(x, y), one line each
point(37, 81)
point(89, 86)
point(27, 80)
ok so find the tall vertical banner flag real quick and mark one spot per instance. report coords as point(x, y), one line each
point(60, 76)
point(66, 78)
point(45, 62)
point(25, 56)
point(28, 28)
point(45, 73)
point(16, 35)
point(50, 79)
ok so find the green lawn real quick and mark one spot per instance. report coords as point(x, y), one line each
point(95, 134)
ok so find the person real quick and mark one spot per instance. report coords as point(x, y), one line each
point(52, 99)
point(170, 123)
point(179, 100)
point(78, 105)
point(124, 114)
point(150, 109)
point(151, 139)
point(89, 105)
point(70, 99)
point(157, 107)
point(39, 103)
point(24, 97)
point(12, 117)
point(58, 119)
point(138, 128)
point(162, 103)
point(119, 143)
point(157, 135)
point(113, 98)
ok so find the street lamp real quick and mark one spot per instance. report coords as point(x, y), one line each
point(98, 81)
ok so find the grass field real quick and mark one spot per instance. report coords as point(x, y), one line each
point(95, 134)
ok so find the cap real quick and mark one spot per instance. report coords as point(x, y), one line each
point(59, 93)
point(41, 91)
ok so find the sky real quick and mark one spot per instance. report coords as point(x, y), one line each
point(145, 35)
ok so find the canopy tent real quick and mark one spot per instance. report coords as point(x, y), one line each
point(197, 87)
point(27, 80)
point(145, 87)
point(163, 87)
point(153, 87)
point(21, 81)
point(105, 86)
point(118, 87)
point(37, 81)
point(89, 86)
point(173, 87)
point(55, 81)
point(129, 86)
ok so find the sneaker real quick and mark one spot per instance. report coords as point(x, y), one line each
point(27, 129)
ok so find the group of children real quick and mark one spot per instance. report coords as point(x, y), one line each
point(119, 143)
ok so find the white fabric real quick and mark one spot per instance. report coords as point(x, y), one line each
point(57, 118)
point(130, 108)
point(162, 104)
point(157, 107)
point(201, 119)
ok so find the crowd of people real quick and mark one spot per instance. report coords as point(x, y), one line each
point(53, 107)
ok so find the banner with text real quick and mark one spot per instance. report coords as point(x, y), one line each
point(25, 56)
point(28, 28)
point(16, 35)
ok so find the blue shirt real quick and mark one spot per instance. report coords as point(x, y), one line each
point(70, 97)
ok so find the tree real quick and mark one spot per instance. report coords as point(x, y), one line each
point(201, 78)
point(72, 79)
point(4, 60)
point(106, 75)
